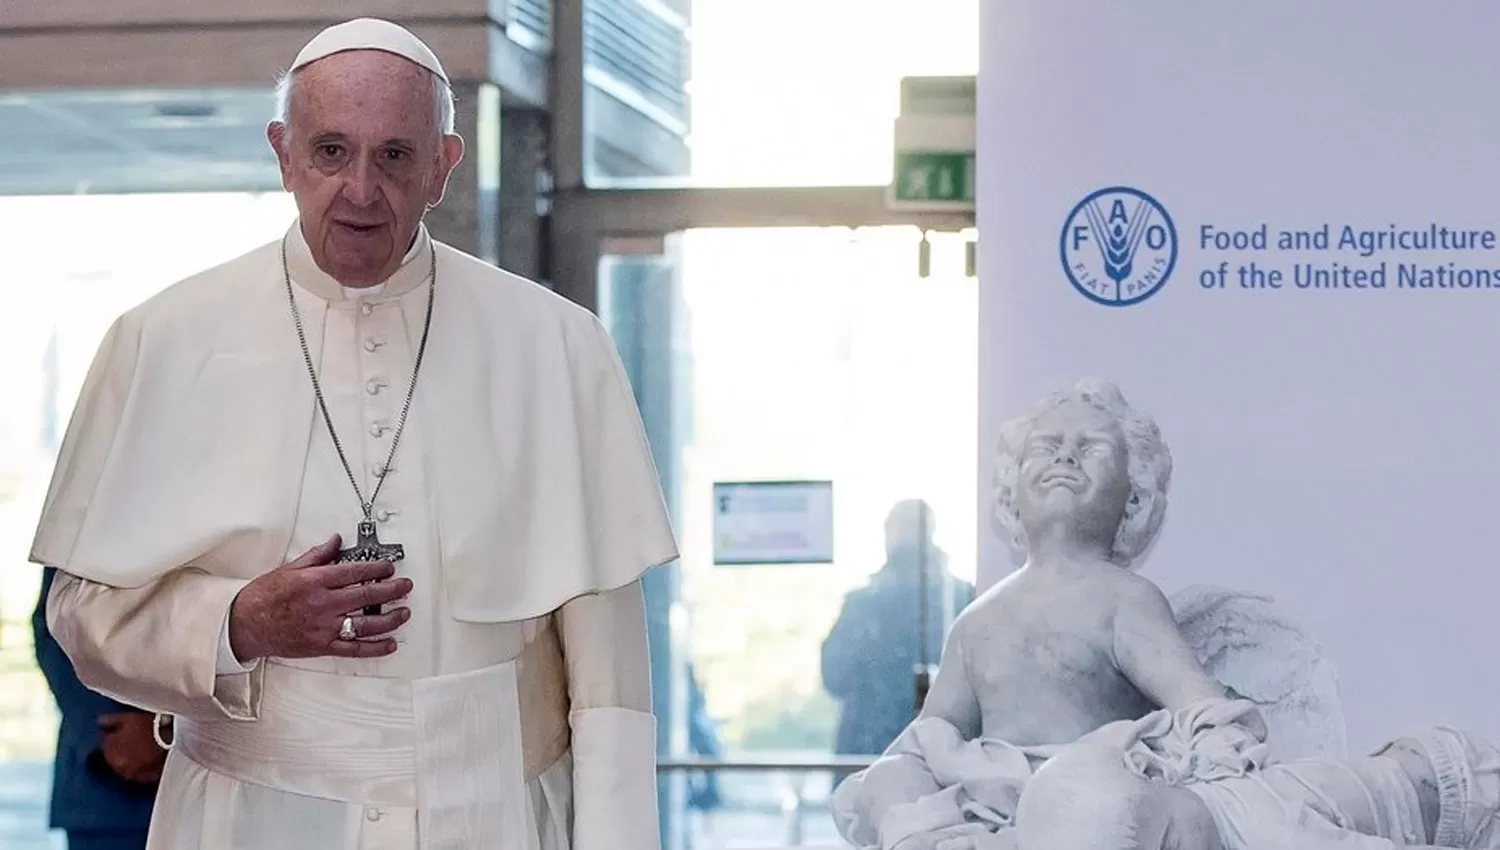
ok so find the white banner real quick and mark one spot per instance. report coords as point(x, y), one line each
point(1308, 197)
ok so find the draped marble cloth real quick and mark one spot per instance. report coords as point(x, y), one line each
point(516, 711)
point(934, 789)
point(1320, 803)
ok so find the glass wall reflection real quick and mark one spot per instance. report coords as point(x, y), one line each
point(819, 354)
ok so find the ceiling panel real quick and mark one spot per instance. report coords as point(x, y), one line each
point(64, 142)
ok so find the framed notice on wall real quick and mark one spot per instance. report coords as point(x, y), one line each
point(773, 522)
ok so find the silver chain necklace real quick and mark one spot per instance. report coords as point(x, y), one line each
point(368, 546)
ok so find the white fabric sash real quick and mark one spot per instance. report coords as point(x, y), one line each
point(471, 786)
point(448, 746)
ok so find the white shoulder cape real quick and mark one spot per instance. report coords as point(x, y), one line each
point(189, 439)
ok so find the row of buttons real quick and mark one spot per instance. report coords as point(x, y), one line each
point(378, 430)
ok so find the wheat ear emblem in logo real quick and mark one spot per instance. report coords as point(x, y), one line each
point(1119, 246)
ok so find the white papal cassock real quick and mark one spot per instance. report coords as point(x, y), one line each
point(515, 713)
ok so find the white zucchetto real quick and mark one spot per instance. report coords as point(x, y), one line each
point(370, 34)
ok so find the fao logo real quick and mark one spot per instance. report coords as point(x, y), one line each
point(1119, 246)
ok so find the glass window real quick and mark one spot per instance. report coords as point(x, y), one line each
point(77, 263)
point(778, 92)
point(804, 354)
point(786, 92)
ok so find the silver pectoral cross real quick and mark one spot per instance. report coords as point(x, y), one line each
point(369, 549)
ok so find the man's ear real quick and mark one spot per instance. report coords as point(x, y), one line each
point(277, 135)
point(452, 155)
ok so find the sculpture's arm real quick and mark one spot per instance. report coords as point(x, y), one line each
point(952, 696)
point(156, 646)
point(614, 731)
point(1152, 653)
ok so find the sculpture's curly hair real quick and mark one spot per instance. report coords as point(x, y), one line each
point(1149, 464)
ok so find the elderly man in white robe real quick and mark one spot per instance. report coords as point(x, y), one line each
point(367, 517)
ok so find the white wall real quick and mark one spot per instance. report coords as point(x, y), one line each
point(1338, 449)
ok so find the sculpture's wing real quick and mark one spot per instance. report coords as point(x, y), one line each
point(1248, 644)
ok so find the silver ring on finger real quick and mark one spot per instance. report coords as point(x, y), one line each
point(346, 629)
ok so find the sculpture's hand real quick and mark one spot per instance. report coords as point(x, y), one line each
point(296, 610)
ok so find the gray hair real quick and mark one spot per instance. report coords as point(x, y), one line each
point(1149, 465)
point(442, 95)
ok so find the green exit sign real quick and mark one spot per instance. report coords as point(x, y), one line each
point(945, 179)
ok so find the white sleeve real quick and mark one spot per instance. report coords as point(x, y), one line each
point(614, 731)
point(229, 665)
point(157, 646)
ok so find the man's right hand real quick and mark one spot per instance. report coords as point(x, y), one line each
point(129, 747)
point(295, 610)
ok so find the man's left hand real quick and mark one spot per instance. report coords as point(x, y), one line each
point(130, 748)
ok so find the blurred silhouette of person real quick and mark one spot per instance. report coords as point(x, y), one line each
point(703, 740)
point(871, 655)
point(703, 794)
point(105, 774)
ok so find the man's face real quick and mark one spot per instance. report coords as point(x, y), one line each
point(364, 157)
point(1075, 466)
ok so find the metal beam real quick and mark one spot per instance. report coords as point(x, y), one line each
point(523, 157)
point(762, 764)
point(565, 95)
point(604, 212)
point(573, 267)
point(250, 53)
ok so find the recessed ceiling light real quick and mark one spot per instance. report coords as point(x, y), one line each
point(187, 110)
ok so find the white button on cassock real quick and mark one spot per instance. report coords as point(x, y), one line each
point(377, 430)
point(373, 815)
point(373, 345)
point(367, 308)
point(374, 385)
